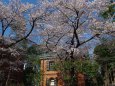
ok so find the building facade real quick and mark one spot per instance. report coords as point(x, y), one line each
point(50, 77)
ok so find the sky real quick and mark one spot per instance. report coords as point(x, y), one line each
point(30, 1)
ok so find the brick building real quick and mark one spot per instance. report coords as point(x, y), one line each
point(50, 77)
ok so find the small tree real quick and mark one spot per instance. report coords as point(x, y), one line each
point(32, 68)
point(83, 66)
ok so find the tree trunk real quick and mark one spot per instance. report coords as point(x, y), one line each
point(73, 77)
point(6, 84)
point(106, 76)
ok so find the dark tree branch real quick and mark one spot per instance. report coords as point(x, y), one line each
point(66, 16)
point(47, 42)
point(4, 28)
point(96, 35)
point(75, 29)
point(72, 40)
point(77, 39)
point(33, 25)
point(61, 38)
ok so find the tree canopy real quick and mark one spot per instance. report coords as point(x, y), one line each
point(106, 52)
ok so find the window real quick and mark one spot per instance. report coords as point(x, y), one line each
point(51, 82)
point(50, 65)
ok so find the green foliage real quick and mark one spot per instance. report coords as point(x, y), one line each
point(34, 59)
point(32, 76)
point(28, 76)
point(34, 50)
point(87, 67)
point(109, 12)
point(105, 52)
point(32, 71)
point(102, 51)
point(83, 66)
point(105, 56)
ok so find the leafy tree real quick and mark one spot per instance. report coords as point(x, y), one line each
point(32, 69)
point(105, 52)
point(84, 66)
point(105, 56)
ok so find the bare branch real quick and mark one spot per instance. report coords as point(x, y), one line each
point(32, 27)
point(96, 35)
point(4, 28)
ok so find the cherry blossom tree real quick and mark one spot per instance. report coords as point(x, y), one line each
point(70, 20)
point(17, 22)
point(21, 19)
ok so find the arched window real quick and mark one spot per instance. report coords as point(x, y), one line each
point(52, 82)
